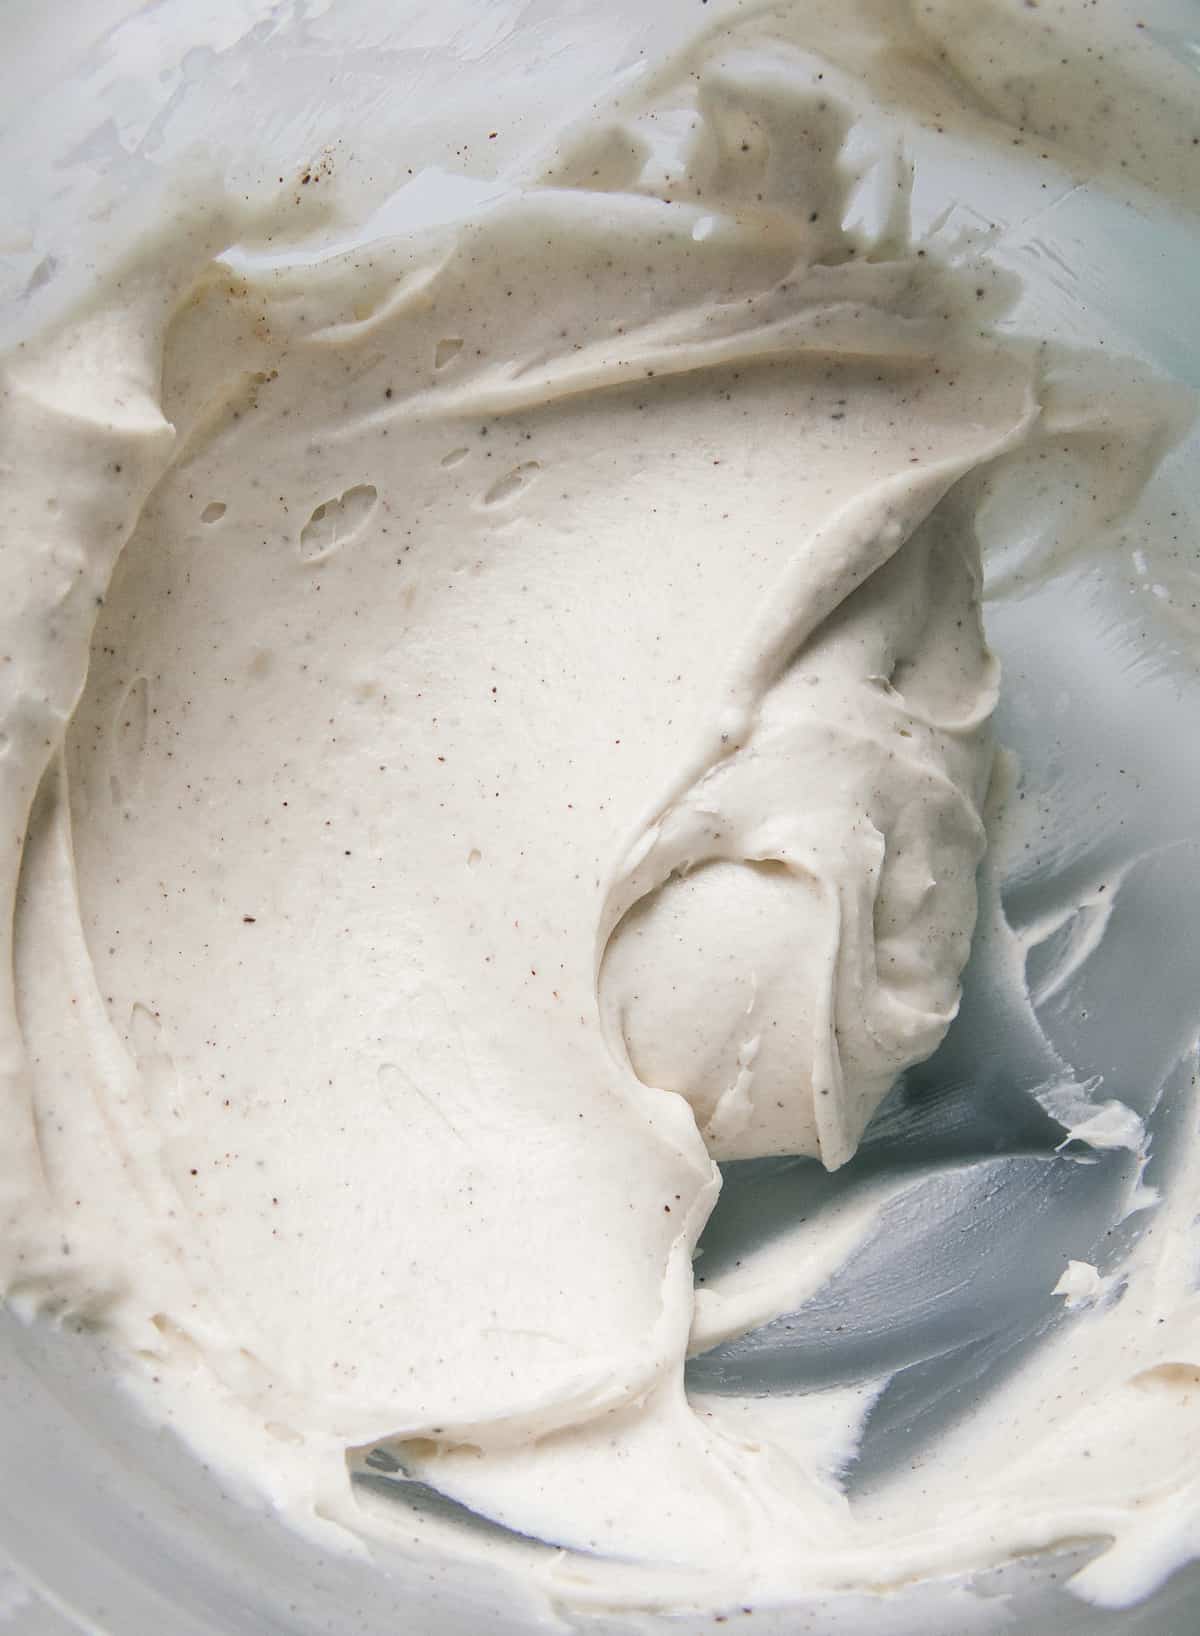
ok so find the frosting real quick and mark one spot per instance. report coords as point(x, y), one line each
point(497, 719)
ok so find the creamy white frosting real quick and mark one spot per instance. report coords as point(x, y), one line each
point(495, 721)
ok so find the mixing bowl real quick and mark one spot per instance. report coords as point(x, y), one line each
point(109, 1523)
